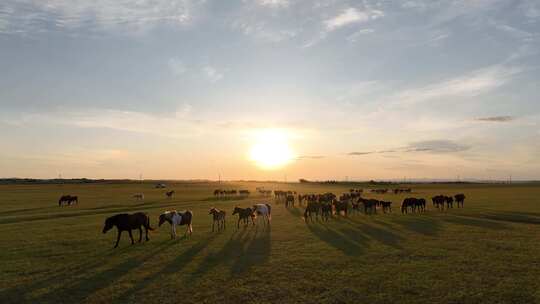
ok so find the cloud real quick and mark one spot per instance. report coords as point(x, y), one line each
point(212, 74)
point(357, 35)
point(39, 15)
point(301, 157)
point(274, 3)
point(496, 118)
point(431, 146)
point(176, 66)
point(350, 16)
point(469, 85)
point(436, 146)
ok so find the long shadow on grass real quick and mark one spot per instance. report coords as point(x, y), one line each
point(244, 249)
point(76, 289)
point(513, 217)
point(294, 211)
point(475, 222)
point(419, 223)
point(347, 240)
point(379, 234)
point(173, 267)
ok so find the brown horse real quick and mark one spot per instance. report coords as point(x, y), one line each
point(218, 217)
point(169, 194)
point(128, 222)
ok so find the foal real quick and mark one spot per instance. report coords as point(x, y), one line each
point(175, 218)
point(219, 217)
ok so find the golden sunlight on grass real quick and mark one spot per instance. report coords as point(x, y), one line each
point(270, 149)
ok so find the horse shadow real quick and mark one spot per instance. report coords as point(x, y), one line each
point(475, 222)
point(244, 249)
point(78, 289)
point(347, 240)
point(419, 224)
point(379, 234)
point(176, 266)
point(294, 211)
point(531, 218)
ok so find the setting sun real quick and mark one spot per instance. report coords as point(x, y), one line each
point(270, 149)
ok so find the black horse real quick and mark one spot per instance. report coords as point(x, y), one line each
point(68, 199)
point(128, 222)
point(244, 214)
point(460, 199)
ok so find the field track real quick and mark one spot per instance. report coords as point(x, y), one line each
point(487, 252)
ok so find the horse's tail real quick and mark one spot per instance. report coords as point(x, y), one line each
point(269, 211)
point(148, 224)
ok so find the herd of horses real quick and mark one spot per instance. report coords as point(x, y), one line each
point(231, 193)
point(323, 206)
point(139, 220)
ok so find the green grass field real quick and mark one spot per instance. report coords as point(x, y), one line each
point(487, 252)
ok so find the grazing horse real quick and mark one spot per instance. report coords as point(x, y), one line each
point(138, 196)
point(68, 199)
point(408, 203)
point(449, 202)
point(340, 206)
point(439, 201)
point(219, 217)
point(386, 206)
point(169, 194)
point(175, 218)
point(264, 210)
point(460, 199)
point(128, 222)
point(244, 214)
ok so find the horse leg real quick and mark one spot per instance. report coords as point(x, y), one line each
point(140, 234)
point(118, 238)
point(131, 237)
point(238, 226)
point(146, 233)
point(213, 223)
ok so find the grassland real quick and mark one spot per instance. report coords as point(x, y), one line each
point(488, 252)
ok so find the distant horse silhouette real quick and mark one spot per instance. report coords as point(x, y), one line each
point(68, 199)
point(128, 222)
point(460, 199)
point(170, 194)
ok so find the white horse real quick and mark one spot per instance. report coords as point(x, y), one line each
point(176, 218)
point(265, 210)
point(138, 196)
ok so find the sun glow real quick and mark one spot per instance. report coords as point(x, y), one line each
point(270, 149)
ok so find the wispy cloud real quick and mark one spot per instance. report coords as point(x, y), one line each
point(352, 15)
point(274, 3)
point(469, 85)
point(431, 146)
point(437, 146)
point(301, 157)
point(38, 15)
point(354, 37)
point(496, 118)
point(176, 66)
point(212, 73)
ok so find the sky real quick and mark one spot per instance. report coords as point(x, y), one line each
point(349, 89)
